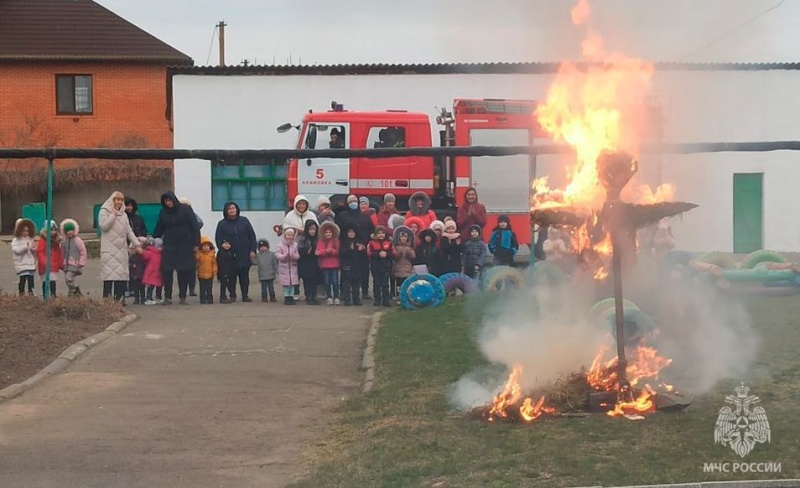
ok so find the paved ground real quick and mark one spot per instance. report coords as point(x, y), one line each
point(192, 396)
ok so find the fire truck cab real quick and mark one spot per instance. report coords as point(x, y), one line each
point(503, 183)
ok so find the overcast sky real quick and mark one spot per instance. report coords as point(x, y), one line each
point(407, 31)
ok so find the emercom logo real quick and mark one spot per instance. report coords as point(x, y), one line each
point(743, 425)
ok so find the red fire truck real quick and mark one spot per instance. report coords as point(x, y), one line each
point(503, 183)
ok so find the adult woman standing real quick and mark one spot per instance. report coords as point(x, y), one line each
point(114, 240)
point(470, 213)
point(177, 226)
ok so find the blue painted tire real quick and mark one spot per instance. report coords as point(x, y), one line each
point(423, 290)
point(459, 281)
point(498, 276)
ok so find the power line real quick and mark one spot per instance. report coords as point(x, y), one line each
point(733, 29)
point(211, 46)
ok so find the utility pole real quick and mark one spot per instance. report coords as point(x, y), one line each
point(221, 27)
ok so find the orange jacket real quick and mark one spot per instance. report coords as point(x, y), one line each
point(206, 261)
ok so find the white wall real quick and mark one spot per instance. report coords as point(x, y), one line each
point(241, 112)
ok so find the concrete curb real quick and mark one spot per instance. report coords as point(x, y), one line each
point(66, 358)
point(368, 362)
point(788, 483)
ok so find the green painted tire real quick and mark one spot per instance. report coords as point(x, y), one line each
point(601, 308)
point(758, 274)
point(762, 256)
point(721, 259)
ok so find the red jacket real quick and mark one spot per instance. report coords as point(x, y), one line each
point(374, 248)
point(382, 218)
point(469, 215)
point(328, 253)
point(152, 271)
point(426, 218)
point(56, 258)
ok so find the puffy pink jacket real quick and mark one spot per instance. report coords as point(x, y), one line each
point(288, 255)
point(152, 271)
point(328, 256)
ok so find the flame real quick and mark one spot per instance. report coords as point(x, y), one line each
point(601, 274)
point(644, 363)
point(509, 400)
point(643, 403)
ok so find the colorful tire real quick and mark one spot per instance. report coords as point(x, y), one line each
point(499, 276)
point(762, 256)
point(459, 281)
point(779, 283)
point(601, 308)
point(720, 259)
point(635, 322)
point(544, 273)
point(758, 274)
point(423, 290)
point(754, 289)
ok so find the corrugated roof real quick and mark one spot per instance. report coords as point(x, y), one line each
point(452, 68)
point(76, 30)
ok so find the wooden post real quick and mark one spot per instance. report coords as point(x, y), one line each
point(221, 26)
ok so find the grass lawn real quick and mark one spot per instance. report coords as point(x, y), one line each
point(404, 433)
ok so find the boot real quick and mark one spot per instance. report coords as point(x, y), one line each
point(386, 302)
point(264, 298)
point(224, 299)
point(272, 299)
point(78, 291)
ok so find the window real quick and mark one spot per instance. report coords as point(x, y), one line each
point(386, 137)
point(255, 188)
point(73, 94)
point(326, 137)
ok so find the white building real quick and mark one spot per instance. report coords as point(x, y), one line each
point(747, 200)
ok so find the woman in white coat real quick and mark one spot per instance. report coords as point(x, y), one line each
point(116, 236)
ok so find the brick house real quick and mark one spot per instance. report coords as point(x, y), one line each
point(74, 74)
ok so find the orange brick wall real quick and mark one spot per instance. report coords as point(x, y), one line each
point(127, 99)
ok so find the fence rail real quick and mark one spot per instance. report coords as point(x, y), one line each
point(257, 156)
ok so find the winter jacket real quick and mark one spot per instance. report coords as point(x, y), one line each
point(426, 215)
point(239, 232)
point(152, 270)
point(225, 262)
point(470, 214)
point(330, 217)
point(136, 267)
point(352, 260)
point(73, 249)
point(382, 218)
point(328, 252)
point(428, 253)
point(357, 220)
point(56, 257)
point(474, 251)
point(451, 249)
point(297, 220)
point(137, 222)
point(503, 246)
point(206, 261)
point(308, 265)
point(114, 241)
point(377, 263)
point(178, 227)
point(288, 256)
point(267, 265)
point(404, 254)
point(22, 248)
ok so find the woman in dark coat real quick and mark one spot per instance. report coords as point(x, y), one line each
point(238, 231)
point(177, 226)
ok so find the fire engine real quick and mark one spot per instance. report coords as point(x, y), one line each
point(503, 183)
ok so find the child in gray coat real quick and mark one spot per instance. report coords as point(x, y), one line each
point(267, 270)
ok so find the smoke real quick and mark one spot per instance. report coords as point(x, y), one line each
point(546, 330)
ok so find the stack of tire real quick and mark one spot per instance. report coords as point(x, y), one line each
point(636, 323)
point(760, 273)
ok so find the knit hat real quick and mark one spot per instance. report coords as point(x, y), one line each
point(389, 198)
point(363, 200)
point(352, 198)
point(323, 200)
point(450, 225)
point(263, 242)
point(448, 219)
point(437, 224)
point(380, 228)
point(158, 242)
point(69, 226)
point(396, 221)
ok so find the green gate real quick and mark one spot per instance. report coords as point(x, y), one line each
point(748, 212)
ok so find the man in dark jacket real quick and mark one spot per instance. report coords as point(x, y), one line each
point(178, 228)
point(137, 222)
point(355, 218)
point(238, 231)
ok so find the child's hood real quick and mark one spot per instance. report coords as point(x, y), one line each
point(475, 227)
point(284, 241)
point(207, 240)
point(403, 230)
point(309, 224)
point(23, 224)
point(71, 222)
point(430, 232)
point(329, 225)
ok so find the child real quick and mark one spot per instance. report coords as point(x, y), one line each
point(136, 267)
point(267, 270)
point(225, 265)
point(438, 227)
point(404, 256)
point(74, 251)
point(452, 247)
point(474, 252)
point(554, 248)
point(23, 248)
point(380, 252)
point(56, 258)
point(503, 242)
point(288, 256)
point(328, 255)
point(152, 271)
point(415, 224)
point(308, 266)
point(428, 253)
point(351, 253)
point(206, 270)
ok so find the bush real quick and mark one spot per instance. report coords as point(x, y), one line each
point(83, 308)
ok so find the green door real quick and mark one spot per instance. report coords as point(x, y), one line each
point(748, 212)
